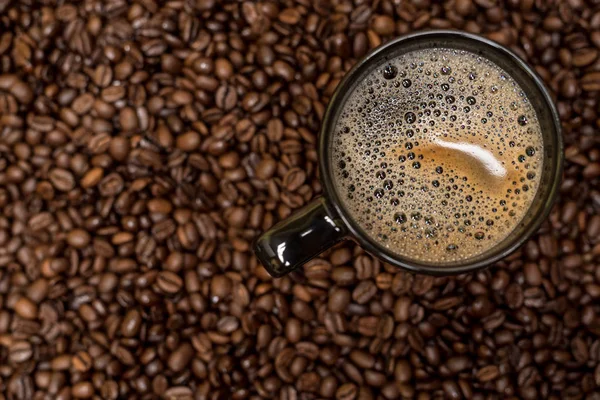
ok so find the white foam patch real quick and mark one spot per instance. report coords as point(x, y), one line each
point(485, 157)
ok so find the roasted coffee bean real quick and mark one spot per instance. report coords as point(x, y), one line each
point(266, 168)
point(226, 97)
point(91, 178)
point(294, 179)
point(61, 362)
point(82, 361)
point(144, 147)
point(20, 351)
point(40, 221)
point(283, 70)
point(131, 323)
point(78, 238)
point(220, 286)
point(62, 179)
point(364, 292)
point(25, 308)
point(488, 373)
point(533, 275)
point(457, 364)
point(180, 357)
point(119, 148)
point(339, 299)
point(111, 185)
point(347, 391)
point(383, 25)
point(82, 390)
point(188, 141)
point(169, 282)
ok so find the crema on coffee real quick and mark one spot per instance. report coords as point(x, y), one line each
point(437, 155)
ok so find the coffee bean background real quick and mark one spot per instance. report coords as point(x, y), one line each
point(143, 146)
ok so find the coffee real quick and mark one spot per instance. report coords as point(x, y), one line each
point(437, 154)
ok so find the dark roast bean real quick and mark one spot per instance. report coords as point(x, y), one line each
point(145, 145)
point(131, 323)
point(338, 299)
point(180, 357)
point(25, 308)
point(364, 292)
point(266, 168)
point(82, 390)
point(383, 25)
point(226, 97)
point(20, 351)
point(62, 179)
point(82, 361)
point(488, 373)
point(169, 282)
point(92, 177)
point(347, 391)
point(78, 238)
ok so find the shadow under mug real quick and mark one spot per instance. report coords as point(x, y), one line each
point(324, 222)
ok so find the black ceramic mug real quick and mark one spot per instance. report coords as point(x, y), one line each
point(325, 221)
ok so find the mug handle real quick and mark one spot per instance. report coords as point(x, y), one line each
point(300, 237)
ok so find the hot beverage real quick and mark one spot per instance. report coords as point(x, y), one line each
point(437, 154)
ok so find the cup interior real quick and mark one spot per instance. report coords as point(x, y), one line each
point(538, 97)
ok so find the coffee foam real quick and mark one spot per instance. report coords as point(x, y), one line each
point(437, 155)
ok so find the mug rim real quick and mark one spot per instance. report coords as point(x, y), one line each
point(358, 234)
